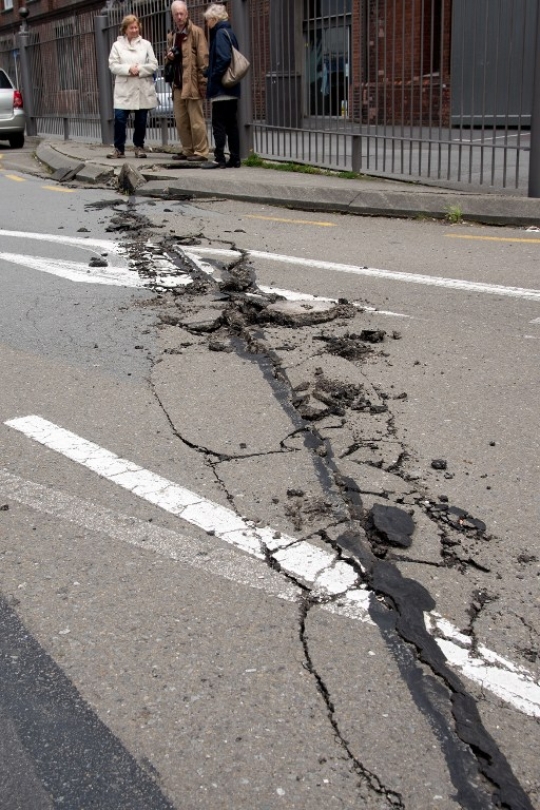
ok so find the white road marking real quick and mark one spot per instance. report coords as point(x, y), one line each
point(410, 278)
point(99, 244)
point(213, 558)
point(513, 684)
point(318, 569)
point(117, 273)
point(194, 509)
point(289, 295)
point(172, 280)
point(76, 271)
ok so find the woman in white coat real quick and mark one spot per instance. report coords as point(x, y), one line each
point(133, 62)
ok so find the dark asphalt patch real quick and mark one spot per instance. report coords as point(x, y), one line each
point(409, 601)
point(78, 761)
point(389, 525)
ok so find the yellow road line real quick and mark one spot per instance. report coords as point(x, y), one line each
point(15, 177)
point(491, 238)
point(57, 188)
point(293, 221)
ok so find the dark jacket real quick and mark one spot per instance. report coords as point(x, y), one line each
point(219, 60)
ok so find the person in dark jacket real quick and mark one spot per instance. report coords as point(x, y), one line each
point(224, 101)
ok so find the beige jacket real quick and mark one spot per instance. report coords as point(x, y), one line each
point(194, 61)
point(133, 92)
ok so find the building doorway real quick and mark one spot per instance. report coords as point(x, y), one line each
point(327, 46)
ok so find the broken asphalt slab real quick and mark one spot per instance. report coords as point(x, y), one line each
point(366, 196)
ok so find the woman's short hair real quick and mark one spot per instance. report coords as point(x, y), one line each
point(216, 11)
point(128, 20)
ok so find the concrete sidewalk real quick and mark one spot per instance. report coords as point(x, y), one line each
point(165, 179)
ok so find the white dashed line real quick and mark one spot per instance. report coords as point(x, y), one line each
point(316, 568)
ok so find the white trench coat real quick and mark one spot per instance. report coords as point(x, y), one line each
point(133, 92)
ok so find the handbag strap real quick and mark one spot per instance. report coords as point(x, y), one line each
point(230, 40)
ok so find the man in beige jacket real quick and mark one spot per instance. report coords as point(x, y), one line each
point(187, 50)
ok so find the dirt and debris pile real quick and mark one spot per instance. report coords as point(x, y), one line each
point(238, 278)
point(352, 346)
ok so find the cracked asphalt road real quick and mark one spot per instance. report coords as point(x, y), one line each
point(310, 418)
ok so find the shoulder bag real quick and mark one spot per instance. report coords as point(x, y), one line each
point(237, 69)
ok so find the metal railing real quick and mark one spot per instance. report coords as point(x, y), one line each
point(63, 66)
point(432, 90)
point(429, 89)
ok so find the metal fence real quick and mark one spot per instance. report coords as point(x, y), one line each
point(61, 91)
point(435, 90)
point(432, 89)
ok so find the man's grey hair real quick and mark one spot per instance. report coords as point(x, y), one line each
point(178, 4)
point(216, 11)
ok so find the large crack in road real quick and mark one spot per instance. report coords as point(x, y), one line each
point(313, 358)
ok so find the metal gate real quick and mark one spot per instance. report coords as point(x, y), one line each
point(493, 57)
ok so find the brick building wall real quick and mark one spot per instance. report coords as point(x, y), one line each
point(406, 62)
point(399, 59)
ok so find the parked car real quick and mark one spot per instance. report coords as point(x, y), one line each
point(165, 106)
point(12, 118)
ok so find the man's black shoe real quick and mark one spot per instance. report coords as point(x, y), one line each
point(233, 164)
point(214, 164)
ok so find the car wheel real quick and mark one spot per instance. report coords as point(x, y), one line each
point(16, 141)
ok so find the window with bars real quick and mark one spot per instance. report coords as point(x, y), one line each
point(327, 33)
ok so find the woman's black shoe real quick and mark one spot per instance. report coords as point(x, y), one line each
point(233, 164)
point(213, 164)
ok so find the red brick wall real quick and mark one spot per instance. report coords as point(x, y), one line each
point(406, 64)
point(393, 54)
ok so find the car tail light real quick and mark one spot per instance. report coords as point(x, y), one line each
point(17, 100)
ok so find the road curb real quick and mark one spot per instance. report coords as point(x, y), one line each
point(509, 211)
point(409, 202)
point(55, 160)
point(95, 174)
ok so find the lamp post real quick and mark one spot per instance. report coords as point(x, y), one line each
point(534, 155)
